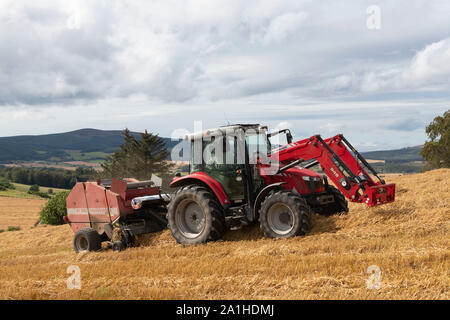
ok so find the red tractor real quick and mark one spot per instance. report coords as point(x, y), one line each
point(238, 176)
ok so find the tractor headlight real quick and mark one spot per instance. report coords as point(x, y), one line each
point(344, 183)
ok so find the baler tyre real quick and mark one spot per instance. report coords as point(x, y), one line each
point(195, 216)
point(87, 239)
point(339, 206)
point(284, 214)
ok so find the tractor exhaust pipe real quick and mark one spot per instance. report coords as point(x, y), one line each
point(137, 202)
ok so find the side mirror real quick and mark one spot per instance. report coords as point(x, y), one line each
point(289, 137)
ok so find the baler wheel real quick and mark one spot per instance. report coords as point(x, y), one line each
point(284, 214)
point(87, 239)
point(195, 216)
point(339, 206)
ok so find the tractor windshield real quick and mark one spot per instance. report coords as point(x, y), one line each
point(258, 145)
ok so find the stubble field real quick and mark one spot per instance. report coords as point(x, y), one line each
point(407, 240)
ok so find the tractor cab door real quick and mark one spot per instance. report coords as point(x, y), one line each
point(222, 165)
point(258, 147)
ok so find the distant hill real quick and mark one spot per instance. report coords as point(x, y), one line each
point(406, 160)
point(399, 155)
point(84, 144)
point(93, 146)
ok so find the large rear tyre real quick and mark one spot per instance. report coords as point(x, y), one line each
point(87, 239)
point(339, 206)
point(195, 216)
point(284, 214)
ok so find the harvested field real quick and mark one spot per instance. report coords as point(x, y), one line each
point(18, 212)
point(408, 240)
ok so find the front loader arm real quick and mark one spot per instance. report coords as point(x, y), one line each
point(340, 166)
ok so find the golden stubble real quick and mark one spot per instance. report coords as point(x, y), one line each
point(408, 240)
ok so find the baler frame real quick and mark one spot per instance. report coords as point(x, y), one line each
point(116, 210)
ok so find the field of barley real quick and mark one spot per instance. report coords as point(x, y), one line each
point(407, 240)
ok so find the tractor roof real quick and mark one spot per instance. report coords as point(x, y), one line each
point(224, 130)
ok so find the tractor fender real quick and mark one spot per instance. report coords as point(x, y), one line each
point(201, 178)
point(262, 195)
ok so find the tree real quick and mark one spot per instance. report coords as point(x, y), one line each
point(55, 209)
point(19, 175)
point(43, 178)
point(436, 152)
point(34, 188)
point(138, 158)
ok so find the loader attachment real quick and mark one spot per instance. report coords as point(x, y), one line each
point(354, 166)
point(379, 194)
point(343, 164)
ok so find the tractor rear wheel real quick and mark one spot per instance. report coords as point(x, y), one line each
point(87, 239)
point(339, 206)
point(284, 214)
point(195, 216)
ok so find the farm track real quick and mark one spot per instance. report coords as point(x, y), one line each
point(408, 240)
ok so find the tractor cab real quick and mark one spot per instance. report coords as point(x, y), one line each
point(229, 155)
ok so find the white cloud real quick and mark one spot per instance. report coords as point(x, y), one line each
point(368, 144)
point(332, 128)
point(283, 26)
point(207, 50)
point(430, 65)
point(283, 125)
point(428, 69)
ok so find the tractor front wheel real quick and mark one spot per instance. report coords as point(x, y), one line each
point(284, 214)
point(195, 216)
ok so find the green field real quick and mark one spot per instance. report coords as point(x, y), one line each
point(21, 191)
point(75, 155)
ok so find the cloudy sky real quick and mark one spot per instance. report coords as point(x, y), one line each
point(377, 74)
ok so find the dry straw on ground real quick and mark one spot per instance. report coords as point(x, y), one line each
point(19, 212)
point(408, 240)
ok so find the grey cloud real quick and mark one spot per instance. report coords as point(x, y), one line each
point(185, 52)
point(408, 124)
point(42, 61)
point(167, 59)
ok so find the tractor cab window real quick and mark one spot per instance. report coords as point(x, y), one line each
point(212, 153)
point(196, 162)
point(220, 153)
point(219, 162)
point(258, 145)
